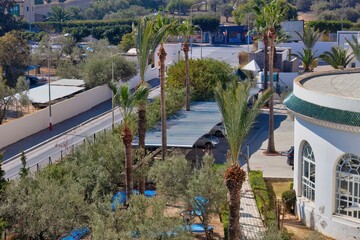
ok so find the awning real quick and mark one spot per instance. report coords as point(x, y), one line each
point(252, 66)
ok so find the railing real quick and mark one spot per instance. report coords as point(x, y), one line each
point(60, 154)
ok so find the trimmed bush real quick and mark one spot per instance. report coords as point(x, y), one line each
point(264, 200)
point(289, 199)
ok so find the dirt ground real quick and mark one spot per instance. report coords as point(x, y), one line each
point(291, 223)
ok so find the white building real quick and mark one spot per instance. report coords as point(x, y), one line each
point(326, 106)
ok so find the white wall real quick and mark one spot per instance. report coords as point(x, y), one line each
point(328, 146)
point(25, 126)
point(287, 78)
point(320, 47)
point(33, 123)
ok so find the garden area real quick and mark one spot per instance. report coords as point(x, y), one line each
point(276, 202)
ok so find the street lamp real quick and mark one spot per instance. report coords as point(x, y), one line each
point(50, 113)
point(201, 32)
point(191, 11)
point(112, 97)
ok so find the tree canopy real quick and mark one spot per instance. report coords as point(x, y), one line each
point(204, 73)
point(14, 56)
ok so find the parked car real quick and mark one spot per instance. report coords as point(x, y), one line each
point(290, 156)
point(218, 130)
point(32, 80)
point(207, 141)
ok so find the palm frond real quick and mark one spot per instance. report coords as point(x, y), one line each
point(337, 57)
point(238, 119)
point(355, 46)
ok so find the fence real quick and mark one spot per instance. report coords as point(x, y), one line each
point(57, 156)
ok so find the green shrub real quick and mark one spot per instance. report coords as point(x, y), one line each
point(329, 26)
point(264, 196)
point(203, 74)
point(291, 186)
point(289, 198)
point(224, 216)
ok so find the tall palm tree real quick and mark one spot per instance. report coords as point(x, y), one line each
point(337, 57)
point(148, 36)
point(126, 102)
point(355, 46)
point(58, 14)
point(164, 28)
point(261, 30)
point(309, 37)
point(274, 13)
point(238, 120)
point(187, 30)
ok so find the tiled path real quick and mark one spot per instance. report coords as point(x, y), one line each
point(251, 224)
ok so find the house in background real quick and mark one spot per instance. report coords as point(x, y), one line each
point(37, 10)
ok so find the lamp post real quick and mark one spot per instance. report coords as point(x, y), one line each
point(191, 12)
point(201, 32)
point(49, 83)
point(112, 93)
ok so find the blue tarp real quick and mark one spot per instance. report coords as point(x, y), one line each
point(77, 234)
point(199, 205)
point(198, 228)
point(120, 197)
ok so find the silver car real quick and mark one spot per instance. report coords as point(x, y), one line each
point(218, 130)
point(207, 141)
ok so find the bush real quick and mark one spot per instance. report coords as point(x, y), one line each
point(329, 26)
point(264, 200)
point(203, 73)
point(289, 199)
point(224, 216)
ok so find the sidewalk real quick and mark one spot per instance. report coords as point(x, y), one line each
point(251, 223)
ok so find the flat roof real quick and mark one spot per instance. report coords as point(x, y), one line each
point(69, 82)
point(41, 94)
point(185, 127)
point(346, 84)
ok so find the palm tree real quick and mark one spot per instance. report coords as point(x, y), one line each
point(260, 28)
point(164, 29)
point(58, 14)
point(308, 59)
point(309, 37)
point(127, 102)
point(274, 13)
point(337, 57)
point(355, 46)
point(187, 30)
point(238, 120)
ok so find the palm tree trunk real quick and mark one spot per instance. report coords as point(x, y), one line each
point(186, 53)
point(271, 141)
point(127, 138)
point(162, 57)
point(141, 134)
point(266, 60)
point(234, 178)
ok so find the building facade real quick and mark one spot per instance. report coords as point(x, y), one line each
point(326, 108)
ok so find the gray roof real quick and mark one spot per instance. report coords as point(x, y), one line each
point(69, 82)
point(41, 94)
point(185, 127)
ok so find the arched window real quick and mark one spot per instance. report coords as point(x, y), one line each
point(308, 172)
point(348, 186)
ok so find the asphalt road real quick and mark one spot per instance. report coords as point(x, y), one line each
point(256, 137)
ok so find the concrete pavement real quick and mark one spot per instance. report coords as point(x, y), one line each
point(274, 166)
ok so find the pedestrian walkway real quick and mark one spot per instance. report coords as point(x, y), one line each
point(251, 224)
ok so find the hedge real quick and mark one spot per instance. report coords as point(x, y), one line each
point(330, 26)
point(263, 198)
